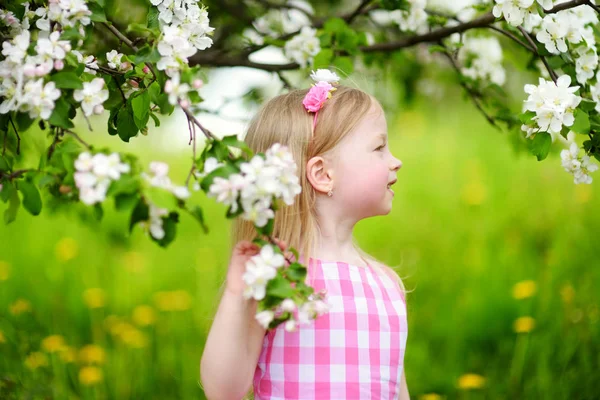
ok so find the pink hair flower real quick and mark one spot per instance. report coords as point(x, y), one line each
point(316, 96)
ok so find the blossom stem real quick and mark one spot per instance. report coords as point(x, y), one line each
point(78, 138)
point(595, 7)
point(16, 133)
point(128, 42)
point(192, 129)
point(513, 37)
point(530, 40)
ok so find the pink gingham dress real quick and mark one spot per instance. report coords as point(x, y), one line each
point(356, 351)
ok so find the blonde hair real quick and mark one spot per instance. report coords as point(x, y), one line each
point(284, 120)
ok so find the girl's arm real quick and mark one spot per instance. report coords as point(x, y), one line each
point(232, 349)
point(403, 389)
point(235, 338)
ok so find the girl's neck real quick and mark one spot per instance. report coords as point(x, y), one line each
point(336, 245)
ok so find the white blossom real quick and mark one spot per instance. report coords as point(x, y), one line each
point(52, 47)
point(176, 90)
point(264, 318)
point(38, 99)
point(485, 59)
point(256, 277)
point(288, 305)
point(159, 178)
point(91, 96)
point(94, 175)
point(413, 20)
point(553, 104)
point(580, 167)
point(324, 75)
point(303, 47)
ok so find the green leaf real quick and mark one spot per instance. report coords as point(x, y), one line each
point(555, 62)
point(527, 117)
point(170, 228)
point(161, 198)
point(4, 166)
point(199, 216)
point(141, 107)
point(344, 64)
point(126, 127)
point(98, 14)
point(60, 115)
point(587, 105)
point(24, 121)
point(540, 145)
point(32, 200)
point(582, 122)
point(222, 172)
point(323, 59)
point(146, 54)
point(296, 272)
point(127, 184)
point(279, 287)
point(67, 80)
point(141, 212)
point(335, 25)
point(233, 141)
point(13, 204)
point(98, 211)
point(152, 18)
point(126, 201)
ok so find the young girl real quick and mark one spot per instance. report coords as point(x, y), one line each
point(356, 350)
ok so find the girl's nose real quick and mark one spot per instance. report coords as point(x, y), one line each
point(396, 164)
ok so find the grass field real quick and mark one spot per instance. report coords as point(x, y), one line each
point(88, 312)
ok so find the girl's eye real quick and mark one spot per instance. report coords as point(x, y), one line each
point(380, 147)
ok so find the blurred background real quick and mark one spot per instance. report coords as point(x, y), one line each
point(498, 251)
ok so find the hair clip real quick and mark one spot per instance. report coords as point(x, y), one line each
point(320, 91)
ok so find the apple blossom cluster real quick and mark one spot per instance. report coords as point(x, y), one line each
point(159, 177)
point(261, 179)
point(94, 175)
point(481, 58)
point(263, 267)
point(579, 166)
point(279, 21)
point(553, 104)
point(184, 30)
point(92, 96)
point(413, 20)
point(155, 222)
point(303, 47)
point(521, 12)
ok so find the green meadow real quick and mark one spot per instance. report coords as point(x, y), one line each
point(498, 251)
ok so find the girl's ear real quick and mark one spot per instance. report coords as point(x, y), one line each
point(319, 176)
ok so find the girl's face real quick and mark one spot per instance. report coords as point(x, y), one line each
point(364, 168)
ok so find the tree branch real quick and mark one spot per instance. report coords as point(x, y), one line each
point(16, 133)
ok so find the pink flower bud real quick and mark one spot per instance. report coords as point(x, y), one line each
point(146, 69)
point(133, 83)
point(98, 109)
point(29, 70)
point(125, 66)
point(58, 65)
point(168, 86)
point(185, 103)
point(197, 84)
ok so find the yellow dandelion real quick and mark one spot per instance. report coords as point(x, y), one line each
point(35, 360)
point(524, 325)
point(177, 300)
point(471, 381)
point(120, 327)
point(4, 271)
point(430, 396)
point(144, 315)
point(524, 289)
point(89, 375)
point(474, 193)
point(2, 338)
point(134, 261)
point(66, 249)
point(20, 306)
point(94, 298)
point(53, 344)
point(92, 354)
point(567, 293)
point(68, 354)
point(134, 338)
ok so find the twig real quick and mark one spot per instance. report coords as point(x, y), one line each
point(105, 70)
point(79, 139)
point(4, 145)
point(595, 7)
point(206, 132)
point(192, 129)
point(120, 90)
point(16, 133)
point(286, 83)
point(358, 11)
point(128, 42)
point(469, 90)
point(513, 37)
point(15, 174)
point(530, 40)
point(55, 141)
